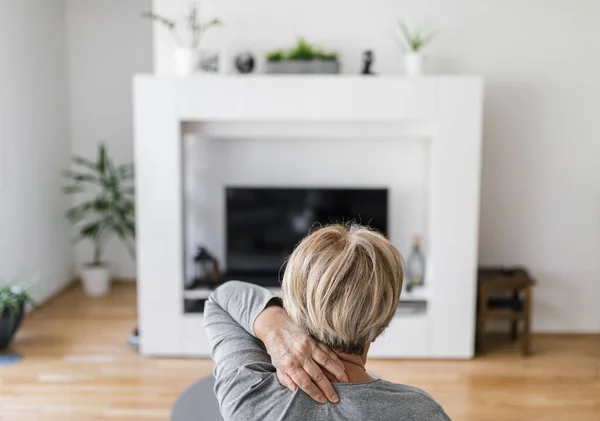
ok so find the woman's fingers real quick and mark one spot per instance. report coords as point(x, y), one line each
point(328, 359)
point(300, 362)
point(330, 352)
point(304, 382)
point(286, 380)
point(322, 382)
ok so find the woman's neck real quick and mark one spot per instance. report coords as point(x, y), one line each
point(355, 368)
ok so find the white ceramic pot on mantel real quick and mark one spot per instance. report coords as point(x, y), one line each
point(413, 64)
point(185, 61)
point(95, 280)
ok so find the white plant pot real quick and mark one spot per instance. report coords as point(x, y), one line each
point(96, 280)
point(185, 61)
point(413, 64)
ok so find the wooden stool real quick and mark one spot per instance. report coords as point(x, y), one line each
point(514, 303)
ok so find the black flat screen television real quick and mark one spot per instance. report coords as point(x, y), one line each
point(264, 224)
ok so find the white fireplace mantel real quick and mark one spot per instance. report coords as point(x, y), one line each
point(444, 110)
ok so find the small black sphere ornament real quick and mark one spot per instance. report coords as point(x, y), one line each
point(244, 63)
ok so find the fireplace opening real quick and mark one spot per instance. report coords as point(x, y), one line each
point(263, 225)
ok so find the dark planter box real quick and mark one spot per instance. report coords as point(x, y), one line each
point(303, 67)
point(9, 326)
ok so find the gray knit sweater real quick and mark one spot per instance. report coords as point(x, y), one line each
point(247, 388)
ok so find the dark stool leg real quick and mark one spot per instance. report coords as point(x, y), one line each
point(481, 315)
point(514, 325)
point(514, 330)
point(527, 321)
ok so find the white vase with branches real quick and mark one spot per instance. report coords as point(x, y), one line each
point(412, 44)
point(186, 54)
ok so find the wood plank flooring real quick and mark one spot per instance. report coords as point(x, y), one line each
point(77, 367)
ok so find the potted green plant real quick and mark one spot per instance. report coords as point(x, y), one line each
point(107, 211)
point(186, 55)
point(12, 307)
point(303, 58)
point(412, 44)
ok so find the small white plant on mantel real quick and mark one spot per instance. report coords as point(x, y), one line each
point(186, 56)
point(412, 44)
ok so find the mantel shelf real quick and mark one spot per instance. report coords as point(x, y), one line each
point(304, 98)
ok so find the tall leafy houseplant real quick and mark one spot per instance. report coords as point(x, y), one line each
point(412, 43)
point(186, 53)
point(12, 307)
point(107, 211)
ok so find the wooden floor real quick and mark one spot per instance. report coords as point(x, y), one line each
point(77, 367)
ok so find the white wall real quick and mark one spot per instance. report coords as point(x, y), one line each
point(541, 182)
point(108, 42)
point(34, 144)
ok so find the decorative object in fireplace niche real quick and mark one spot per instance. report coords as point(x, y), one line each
point(411, 44)
point(187, 57)
point(303, 58)
point(415, 265)
point(207, 271)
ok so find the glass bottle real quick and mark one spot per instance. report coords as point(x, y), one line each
point(415, 268)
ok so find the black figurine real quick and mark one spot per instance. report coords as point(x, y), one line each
point(244, 63)
point(368, 59)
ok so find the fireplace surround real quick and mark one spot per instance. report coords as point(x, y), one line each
point(419, 137)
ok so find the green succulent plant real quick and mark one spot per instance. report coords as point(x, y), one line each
point(327, 55)
point(276, 55)
point(303, 50)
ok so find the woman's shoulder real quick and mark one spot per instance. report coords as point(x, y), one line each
point(408, 400)
point(405, 388)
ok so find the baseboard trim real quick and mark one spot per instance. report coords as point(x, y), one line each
point(567, 335)
point(70, 284)
point(124, 279)
point(117, 279)
point(73, 283)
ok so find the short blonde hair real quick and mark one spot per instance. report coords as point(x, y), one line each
point(342, 285)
